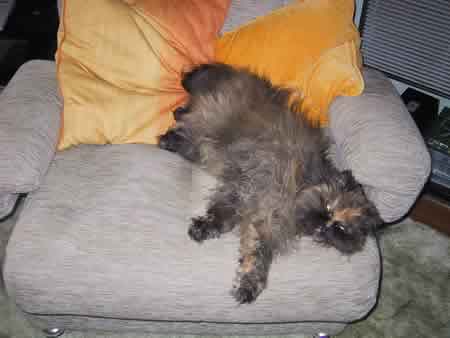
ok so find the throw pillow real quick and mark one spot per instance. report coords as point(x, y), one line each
point(311, 45)
point(119, 65)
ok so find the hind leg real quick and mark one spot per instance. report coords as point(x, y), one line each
point(206, 76)
point(172, 140)
point(177, 140)
point(179, 112)
point(254, 263)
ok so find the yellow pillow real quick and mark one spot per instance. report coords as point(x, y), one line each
point(311, 45)
point(119, 64)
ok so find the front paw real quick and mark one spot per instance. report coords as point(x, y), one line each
point(171, 141)
point(247, 289)
point(203, 228)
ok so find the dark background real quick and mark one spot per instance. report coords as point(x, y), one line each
point(30, 33)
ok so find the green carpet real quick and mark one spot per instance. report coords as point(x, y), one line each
point(414, 299)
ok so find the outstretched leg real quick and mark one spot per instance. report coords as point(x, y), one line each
point(221, 217)
point(254, 263)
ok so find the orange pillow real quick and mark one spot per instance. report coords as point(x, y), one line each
point(119, 64)
point(311, 45)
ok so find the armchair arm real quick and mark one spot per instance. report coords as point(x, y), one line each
point(29, 127)
point(7, 203)
point(378, 140)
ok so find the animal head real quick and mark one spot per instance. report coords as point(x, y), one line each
point(337, 213)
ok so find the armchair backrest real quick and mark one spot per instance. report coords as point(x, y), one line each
point(240, 12)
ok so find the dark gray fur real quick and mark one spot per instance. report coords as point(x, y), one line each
point(277, 182)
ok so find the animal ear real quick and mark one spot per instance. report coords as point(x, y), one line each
point(347, 181)
point(204, 77)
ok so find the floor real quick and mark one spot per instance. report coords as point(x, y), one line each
point(432, 210)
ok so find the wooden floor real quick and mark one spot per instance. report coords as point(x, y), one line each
point(433, 211)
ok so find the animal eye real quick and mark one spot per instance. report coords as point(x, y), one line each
point(341, 227)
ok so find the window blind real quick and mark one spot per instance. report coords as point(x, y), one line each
point(409, 40)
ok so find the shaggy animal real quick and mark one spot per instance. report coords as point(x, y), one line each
point(276, 180)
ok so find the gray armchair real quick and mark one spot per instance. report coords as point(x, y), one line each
point(101, 244)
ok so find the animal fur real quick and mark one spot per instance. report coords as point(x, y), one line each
point(277, 182)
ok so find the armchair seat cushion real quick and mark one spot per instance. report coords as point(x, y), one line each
point(106, 238)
